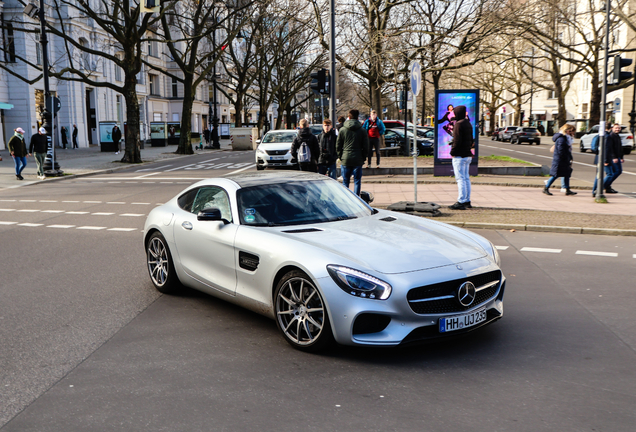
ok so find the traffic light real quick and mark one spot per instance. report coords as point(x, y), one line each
point(619, 75)
point(319, 81)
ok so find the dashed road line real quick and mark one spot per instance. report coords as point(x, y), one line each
point(70, 201)
point(28, 211)
point(7, 200)
point(7, 223)
point(77, 212)
point(115, 202)
point(48, 201)
point(102, 214)
point(140, 203)
point(122, 229)
point(27, 200)
point(132, 214)
point(7, 210)
point(27, 224)
point(92, 202)
point(544, 250)
point(594, 253)
point(60, 226)
point(91, 228)
point(52, 211)
point(501, 247)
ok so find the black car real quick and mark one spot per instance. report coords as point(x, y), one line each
point(526, 134)
point(395, 138)
point(495, 134)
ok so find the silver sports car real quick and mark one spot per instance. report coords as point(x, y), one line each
point(305, 251)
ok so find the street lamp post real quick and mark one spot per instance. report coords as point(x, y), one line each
point(212, 112)
point(601, 128)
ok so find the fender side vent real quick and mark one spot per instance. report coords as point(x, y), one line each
point(302, 230)
point(389, 219)
point(248, 261)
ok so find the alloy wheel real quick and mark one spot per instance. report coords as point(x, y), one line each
point(158, 261)
point(300, 311)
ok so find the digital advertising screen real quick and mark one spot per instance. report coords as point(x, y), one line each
point(105, 131)
point(445, 102)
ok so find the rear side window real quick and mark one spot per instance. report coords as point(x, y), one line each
point(212, 197)
point(185, 201)
point(510, 129)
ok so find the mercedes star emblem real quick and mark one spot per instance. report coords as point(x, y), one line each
point(466, 294)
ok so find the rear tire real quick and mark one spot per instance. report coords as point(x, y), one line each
point(627, 151)
point(160, 265)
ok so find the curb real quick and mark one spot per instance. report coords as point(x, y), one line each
point(545, 228)
point(451, 180)
point(109, 170)
point(530, 171)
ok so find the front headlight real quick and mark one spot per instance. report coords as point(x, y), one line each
point(260, 150)
point(495, 254)
point(359, 284)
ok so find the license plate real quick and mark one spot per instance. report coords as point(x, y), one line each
point(460, 322)
point(277, 157)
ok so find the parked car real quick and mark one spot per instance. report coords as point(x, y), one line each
point(395, 138)
point(306, 252)
point(396, 124)
point(627, 139)
point(495, 134)
point(274, 150)
point(526, 134)
point(506, 133)
point(316, 129)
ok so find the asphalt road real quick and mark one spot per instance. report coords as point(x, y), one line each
point(584, 168)
point(89, 345)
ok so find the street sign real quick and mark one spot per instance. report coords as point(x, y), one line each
point(416, 78)
point(56, 104)
point(617, 104)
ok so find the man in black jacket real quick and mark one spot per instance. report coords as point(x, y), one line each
point(613, 158)
point(38, 148)
point(306, 136)
point(74, 136)
point(116, 135)
point(463, 142)
point(327, 144)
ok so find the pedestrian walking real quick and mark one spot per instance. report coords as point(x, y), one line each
point(75, 137)
point(613, 158)
point(541, 129)
point(64, 137)
point(38, 147)
point(375, 129)
point(352, 147)
point(327, 143)
point(206, 136)
point(116, 135)
point(461, 151)
point(305, 148)
point(340, 124)
point(18, 151)
point(562, 158)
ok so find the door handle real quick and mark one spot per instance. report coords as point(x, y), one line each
point(187, 225)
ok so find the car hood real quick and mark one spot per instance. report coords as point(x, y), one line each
point(398, 246)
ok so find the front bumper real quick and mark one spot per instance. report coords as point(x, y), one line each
point(272, 161)
point(391, 322)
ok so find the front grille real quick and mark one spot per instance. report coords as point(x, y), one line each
point(276, 152)
point(449, 288)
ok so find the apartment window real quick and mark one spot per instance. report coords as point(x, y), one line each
point(153, 48)
point(117, 73)
point(175, 88)
point(38, 49)
point(551, 94)
point(584, 110)
point(586, 83)
point(157, 117)
point(154, 84)
point(10, 54)
point(140, 75)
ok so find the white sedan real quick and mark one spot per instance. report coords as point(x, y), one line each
point(300, 248)
point(627, 139)
point(274, 150)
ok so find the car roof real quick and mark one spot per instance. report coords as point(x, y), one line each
point(248, 179)
point(283, 130)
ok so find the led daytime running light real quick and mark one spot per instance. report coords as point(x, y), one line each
point(380, 290)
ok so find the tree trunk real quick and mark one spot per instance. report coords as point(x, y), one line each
point(131, 154)
point(238, 109)
point(279, 119)
point(185, 140)
point(595, 100)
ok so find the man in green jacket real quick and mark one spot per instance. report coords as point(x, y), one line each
point(352, 147)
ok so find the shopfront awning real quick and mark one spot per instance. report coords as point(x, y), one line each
point(539, 112)
point(5, 105)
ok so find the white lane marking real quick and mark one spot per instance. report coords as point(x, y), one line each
point(60, 226)
point(533, 249)
point(28, 211)
point(154, 169)
point(7, 210)
point(140, 203)
point(102, 214)
point(7, 200)
point(26, 224)
point(501, 247)
point(99, 180)
point(132, 214)
point(7, 223)
point(91, 228)
point(148, 182)
point(70, 201)
point(92, 202)
point(593, 253)
point(178, 168)
point(52, 211)
point(146, 175)
point(165, 182)
point(27, 201)
point(634, 256)
point(76, 212)
point(115, 202)
point(121, 229)
point(242, 169)
point(114, 182)
point(48, 200)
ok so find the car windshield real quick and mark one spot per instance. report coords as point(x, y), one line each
point(316, 129)
point(512, 128)
point(426, 133)
point(279, 137)
point(530, 130)
point(298, 203)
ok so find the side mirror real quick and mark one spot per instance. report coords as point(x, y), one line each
point(258, 141)
point(367, 197)
point(211, 214)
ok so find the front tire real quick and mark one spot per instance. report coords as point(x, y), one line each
point(301, 315)
point(160, 265)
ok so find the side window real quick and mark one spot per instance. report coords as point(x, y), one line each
point(212, 196)
point(389, 134)
point(594, 129)
point(185, 201)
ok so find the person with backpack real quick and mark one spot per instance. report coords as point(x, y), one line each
point(305, 148)
point(327, 144)
point(352, 147)
point(375, 128)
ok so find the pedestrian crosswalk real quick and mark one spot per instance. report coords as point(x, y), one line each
point(558, 251)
